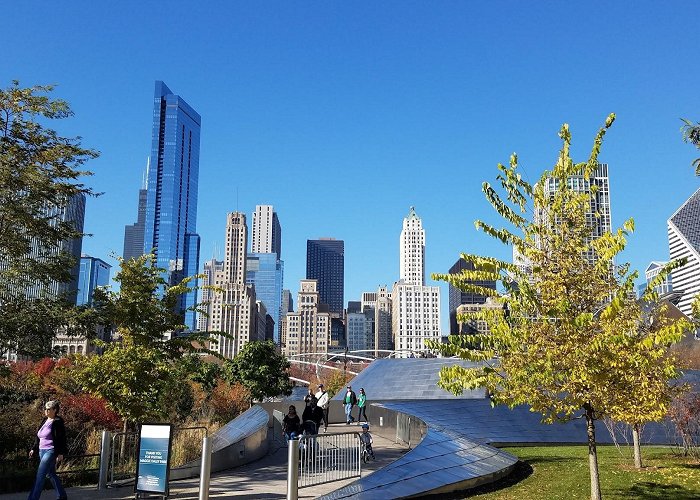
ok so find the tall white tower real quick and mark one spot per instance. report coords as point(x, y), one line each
point(267, 232)
point(415, 315)
point(412, 254)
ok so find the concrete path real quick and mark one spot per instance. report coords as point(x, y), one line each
point(265, 478)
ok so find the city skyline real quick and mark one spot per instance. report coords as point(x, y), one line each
point(352, 118)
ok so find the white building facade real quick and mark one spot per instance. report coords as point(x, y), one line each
point(415, 307)
point(267, 232)
point(684, 241)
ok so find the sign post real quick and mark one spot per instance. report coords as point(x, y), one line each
point(153, 465)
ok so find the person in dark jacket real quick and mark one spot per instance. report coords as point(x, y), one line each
point(291, 424)
point(312, 413)
point(50, 446)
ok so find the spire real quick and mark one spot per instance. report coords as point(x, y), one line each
point(144, 179)
point(412, 214)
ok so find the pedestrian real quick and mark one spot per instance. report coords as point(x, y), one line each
point(50, 446)
point(366, 439)
point(291, 424)
point(312, 413)
point(349, 401)
point(324, 403)
point(362, 405)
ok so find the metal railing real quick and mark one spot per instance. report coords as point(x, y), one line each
point(324, 458)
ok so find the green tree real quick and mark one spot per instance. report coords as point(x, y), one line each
point(139, 370)
point(568, 331)
point(261, 370)
point(691, 134)
point(40, 173)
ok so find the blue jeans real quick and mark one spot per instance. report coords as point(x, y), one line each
point(47, 467)
point(290, 435)
point(348, 413)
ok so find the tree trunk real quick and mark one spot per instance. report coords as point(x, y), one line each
point(122, 448)
point(637, 447)
point(592, 453)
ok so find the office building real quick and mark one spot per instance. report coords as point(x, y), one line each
point(415, 306)
point(309, 328)
point(94, 272)
point(233, 309)
point(684, 241)
point(325, 262)
point(210, 270)
point(265, 272)
point(468, 320)
point(662, 289)
point(383, 338)
point(287, 302)
point(267, 232)
point(133, 233)
point(360, 330)
point(170, 229)
point(458, 297)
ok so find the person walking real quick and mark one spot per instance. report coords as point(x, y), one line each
point(324, 403)
point(362, 405)
point(349, 401)
point(50, 446)
point(291, 425)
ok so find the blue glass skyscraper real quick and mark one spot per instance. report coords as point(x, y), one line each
point(266, 272)
point(171, 204)
point(94, 272)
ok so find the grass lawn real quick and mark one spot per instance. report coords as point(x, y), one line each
point(561, 473)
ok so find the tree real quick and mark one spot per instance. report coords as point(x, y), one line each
point(568, 337)
point(261, 370)
point(39, 175)
point(136, 374)
point(691, 134)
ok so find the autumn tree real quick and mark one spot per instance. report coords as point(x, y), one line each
point(567, 339)
point(138, 370)
point(40, 173)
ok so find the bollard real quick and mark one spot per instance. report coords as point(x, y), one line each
point(293, 470)
point(105, 453)
point(205, 470)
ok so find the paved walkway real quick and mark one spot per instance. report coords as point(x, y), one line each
point(265, 478)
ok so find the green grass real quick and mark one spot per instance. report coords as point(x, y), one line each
point(561, 473)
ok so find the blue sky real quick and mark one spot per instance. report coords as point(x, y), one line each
point(344, 114)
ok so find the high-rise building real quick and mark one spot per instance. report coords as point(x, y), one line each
point(309, 328)
point(72, 213)
point(170, 229)
point(265, 271)
point(415, 306)
point(458, 297)
point(133, 233)
point(94, 272)
point(233, 309)
point(211, 268)
point(267, 232)
point(287, 302)
point(684, 241)
point(383, 338)
point(360, 330)
point(652, 270)
point(474, 325)
point(325, 262)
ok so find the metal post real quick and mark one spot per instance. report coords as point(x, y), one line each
point(205, 470)
point(105, 452)
point(293, 470)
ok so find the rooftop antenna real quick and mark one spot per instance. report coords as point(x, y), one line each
point(236, 198)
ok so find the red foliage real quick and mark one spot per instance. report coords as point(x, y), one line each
point(84, 408)
point(43, 367)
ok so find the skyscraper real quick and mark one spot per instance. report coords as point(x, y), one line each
point(266, 272)
point(325, 262)
point(684, 241)
point(415, 306)
point(171, 201)
point(308, 329)
point(457, 297)
point(133, 233)
point(267, 232)
point(94, 272)
point(233, 310)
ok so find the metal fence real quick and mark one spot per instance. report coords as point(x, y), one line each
point(328, 457)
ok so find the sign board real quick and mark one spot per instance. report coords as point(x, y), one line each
point(153, 465)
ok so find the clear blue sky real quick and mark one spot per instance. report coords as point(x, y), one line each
point(344, 114)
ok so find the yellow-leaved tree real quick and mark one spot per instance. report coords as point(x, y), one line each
point(571, 340)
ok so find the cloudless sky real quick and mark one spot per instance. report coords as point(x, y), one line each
point(344, 114)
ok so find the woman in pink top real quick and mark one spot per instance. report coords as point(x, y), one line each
point(50, 446)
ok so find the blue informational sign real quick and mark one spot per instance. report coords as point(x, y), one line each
point(153, 466)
